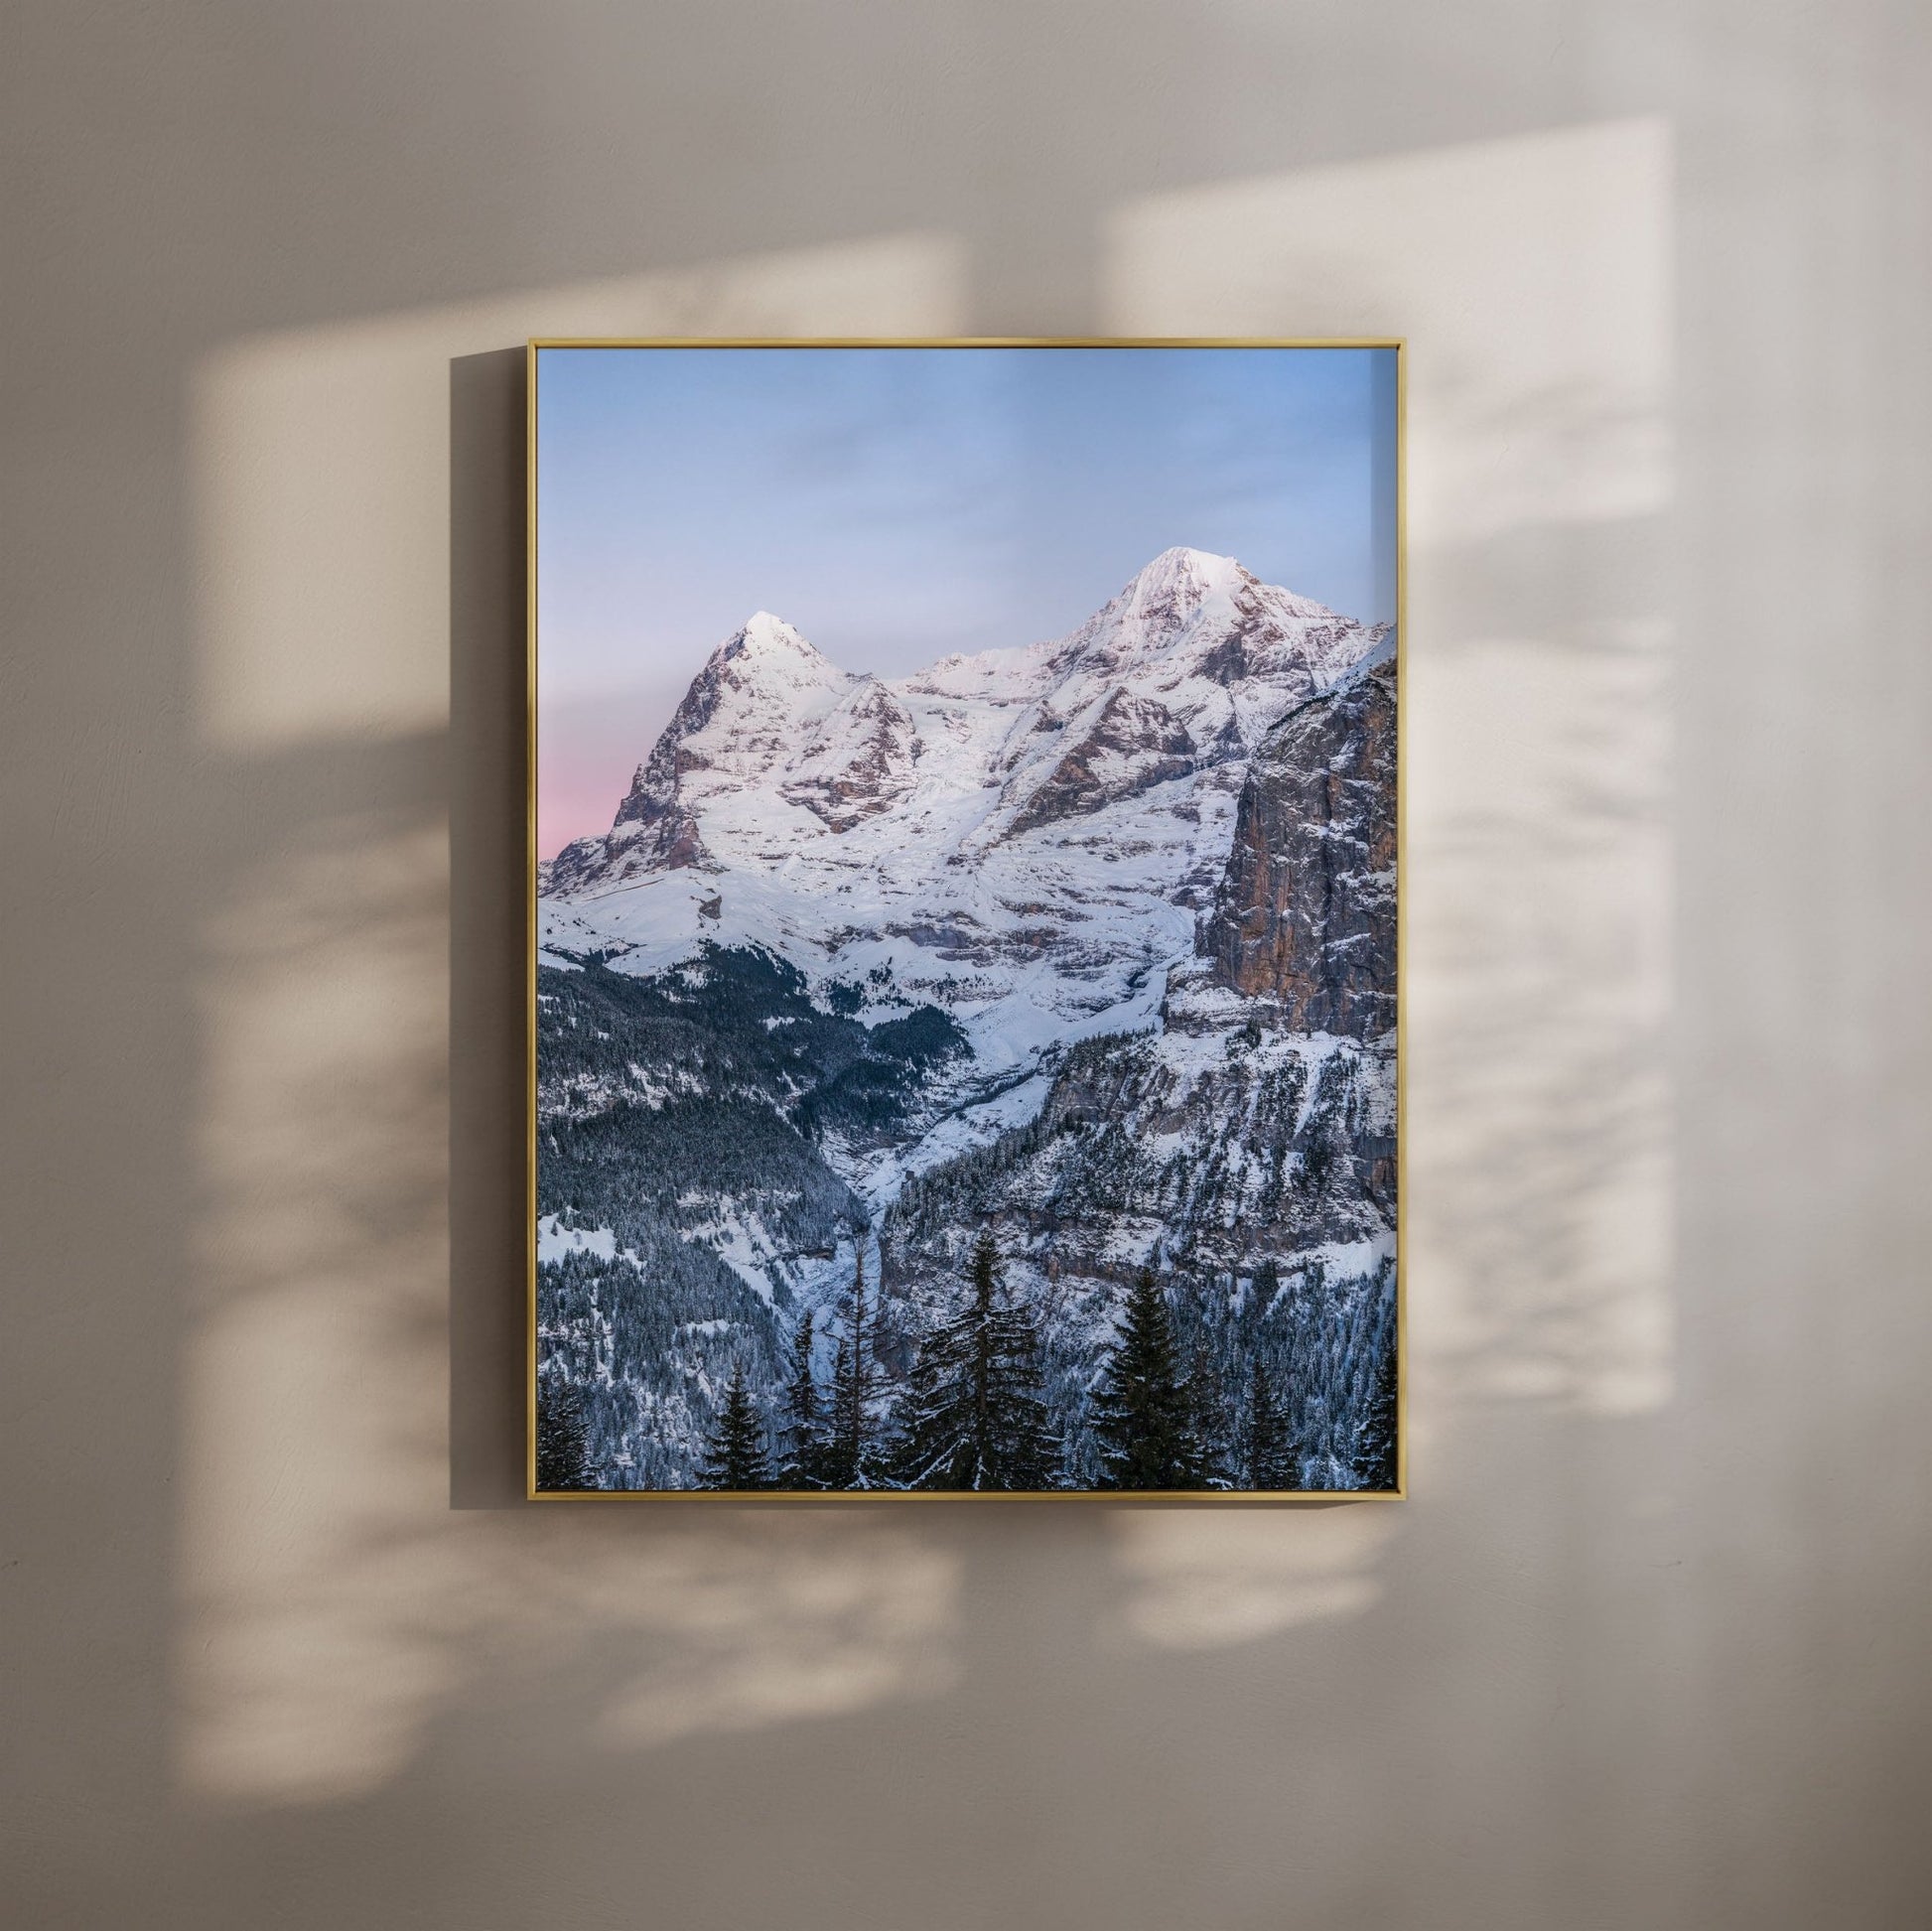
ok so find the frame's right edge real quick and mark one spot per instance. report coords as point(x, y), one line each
point(1400, 346)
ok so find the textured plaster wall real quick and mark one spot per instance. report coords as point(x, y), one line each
point(1647, 1648)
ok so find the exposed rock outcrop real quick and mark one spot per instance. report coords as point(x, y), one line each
point(857, 762)
point(1135, 743)
point(1305, 916)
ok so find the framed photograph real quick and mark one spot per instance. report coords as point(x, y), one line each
point(964, 919)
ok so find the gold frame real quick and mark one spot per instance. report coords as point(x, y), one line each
point(838, 1497)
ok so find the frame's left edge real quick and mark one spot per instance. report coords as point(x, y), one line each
point(531, 1489)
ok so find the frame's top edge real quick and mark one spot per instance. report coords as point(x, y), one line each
point(967, 342)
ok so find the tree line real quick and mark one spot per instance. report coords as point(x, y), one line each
point(973, 1411)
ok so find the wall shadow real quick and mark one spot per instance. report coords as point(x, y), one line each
point(490, 783)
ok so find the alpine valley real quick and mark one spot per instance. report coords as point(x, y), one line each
point(1059, 976)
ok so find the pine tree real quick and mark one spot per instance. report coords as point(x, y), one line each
point(1207, 1416)
point(1141, 1409)
point(1374, 1459)
point(1266, 1285)
point(802, 1447)
point(563, 1443)
point(852, 1446)
point(1263, 1453)
point(975, 1416)
point(735, 1455)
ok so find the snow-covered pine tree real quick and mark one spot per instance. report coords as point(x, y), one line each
point(1265, 1288)
point(1141, 1409)
point(1207, 1415)
point(853, 1455)
point(734, 1456)
point(974, 1413)
point(1262, 1453)
point(1375, 1449)
point(801, 1448)
point(562, 1443)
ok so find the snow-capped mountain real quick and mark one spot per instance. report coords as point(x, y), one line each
point(1023, 836)
point(1087, 945)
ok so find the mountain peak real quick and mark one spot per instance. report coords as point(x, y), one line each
point(1164, 600)
point(1181, 567)
point(1183, 556)
point(762, 633)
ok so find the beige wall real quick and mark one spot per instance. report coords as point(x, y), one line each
point(1647, 1649)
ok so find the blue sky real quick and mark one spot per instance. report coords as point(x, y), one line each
point(897, 505)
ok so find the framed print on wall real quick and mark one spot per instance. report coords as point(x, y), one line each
point(964, 937)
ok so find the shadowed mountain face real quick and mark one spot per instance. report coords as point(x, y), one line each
point(1088, 944)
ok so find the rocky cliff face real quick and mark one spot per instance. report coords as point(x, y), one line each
point(1257, 1122)
point(1305, 917)
point(652, 833)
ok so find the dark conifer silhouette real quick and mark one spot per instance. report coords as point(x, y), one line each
point(1267, 1285)
point(562, 1443)
point(1375, 1452)
point(853, 1453)
point(801, 1445)
point(974, 1415)
point(734, 1456)
point(1207, 1416)
point(1263, 1455)
point(1140, 1409)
